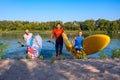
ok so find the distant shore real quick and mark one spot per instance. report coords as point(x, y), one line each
point(88, 69)
point(67, 31)
point(49, 32)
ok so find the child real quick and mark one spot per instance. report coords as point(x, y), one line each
point(77, 42)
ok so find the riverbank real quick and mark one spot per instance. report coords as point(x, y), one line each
point(49, 31)
point(67, 31)
point(89, 69)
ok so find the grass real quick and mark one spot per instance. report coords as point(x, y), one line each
point(116, 53)
point(3, 49)
point(82, 55)
point(28, 56)
point(49, 31)
point(52, 60)
point(41, 57)
point(103, 55)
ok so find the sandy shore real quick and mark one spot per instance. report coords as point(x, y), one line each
point(91, 69)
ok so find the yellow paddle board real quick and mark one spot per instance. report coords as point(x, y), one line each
point(67, 42)
point(91, 44)
point(95, 43)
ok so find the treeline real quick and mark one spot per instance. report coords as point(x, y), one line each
point(91, 25)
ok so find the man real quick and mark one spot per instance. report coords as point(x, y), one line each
point(77, 42)
point(27, 37)
point(57, 32)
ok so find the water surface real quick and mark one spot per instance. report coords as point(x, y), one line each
point(48, 50)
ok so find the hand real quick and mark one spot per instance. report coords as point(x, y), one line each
point(50, 40)
point(22, 45)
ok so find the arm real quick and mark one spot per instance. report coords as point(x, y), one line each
point(51, 36)
point(82, 41)
point(21, 41)
point(34, 38)
point(73, 40)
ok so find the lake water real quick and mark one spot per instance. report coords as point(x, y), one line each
point(48, 51)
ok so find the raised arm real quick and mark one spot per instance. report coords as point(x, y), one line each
point(51, 36)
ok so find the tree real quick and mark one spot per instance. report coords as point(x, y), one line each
point(90, 24)
point(71, 26)
point(115, 26)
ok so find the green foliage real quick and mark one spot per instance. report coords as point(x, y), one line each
point(71, 26)
point(41, 57)
point(91, 25)
point(103, 55)
point(116, 53)
point(64, 58)
point(0, 30)
point(115, 25)
point(60, 57)
point(78, 56)
point(52, 60)
point(3, 49)
point(28, 56)
point(82, 55)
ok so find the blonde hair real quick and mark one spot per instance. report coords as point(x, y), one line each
point(27, 30)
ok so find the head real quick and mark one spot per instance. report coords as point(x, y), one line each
point(80, 33)
point(27, 31)
point(58, 26)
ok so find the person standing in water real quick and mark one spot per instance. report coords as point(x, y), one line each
point(57, 32)
point(77, 42)
point(31, 51)
point(27, 37)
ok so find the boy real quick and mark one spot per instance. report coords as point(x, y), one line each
point(57, 32)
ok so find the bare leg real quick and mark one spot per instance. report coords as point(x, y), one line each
point(78, 52)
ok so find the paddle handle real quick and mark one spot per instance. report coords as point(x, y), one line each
point(50, 42)
point(21, 44)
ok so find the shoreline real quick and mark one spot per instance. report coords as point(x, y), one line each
point(76, 69)
point(67, 31)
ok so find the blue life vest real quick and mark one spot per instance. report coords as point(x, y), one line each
point(78, 42)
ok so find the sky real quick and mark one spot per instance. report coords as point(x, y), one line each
point(63, 10)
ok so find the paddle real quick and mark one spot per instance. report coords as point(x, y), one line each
point(50, 42)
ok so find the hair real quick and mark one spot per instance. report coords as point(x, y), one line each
point(27, 30)
point(58, 24)
point(79, 31)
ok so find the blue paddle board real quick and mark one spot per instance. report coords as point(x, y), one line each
point(35, 47)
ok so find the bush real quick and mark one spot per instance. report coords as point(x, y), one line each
point(28, 56)
point(116, 53)
point(52, 60)
point(3, 49)
point(41, 57)
point(103, 55)
point(82, 55)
